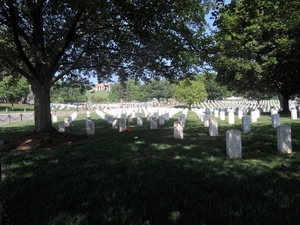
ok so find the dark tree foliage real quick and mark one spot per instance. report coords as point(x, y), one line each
point(258, 47)
point(70, 40)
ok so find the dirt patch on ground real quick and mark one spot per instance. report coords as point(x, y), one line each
point(42, 141)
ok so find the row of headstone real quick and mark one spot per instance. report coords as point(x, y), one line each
point(159, 117)
point(253, 109)
point(66, 123)
point(234, 141)
point(204, 115)
point(245, 105)
point(179, 125)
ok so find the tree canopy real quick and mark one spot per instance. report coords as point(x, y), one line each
point(258, 47)
point(69, 40)
point(190, 91)
point(67, 95)
point(125, 91)
point(159, 89)
point(14, 89)
point(214, 90)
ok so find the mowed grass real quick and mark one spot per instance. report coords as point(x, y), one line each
point(18, 108)
point(114, 178)
point(97, 94)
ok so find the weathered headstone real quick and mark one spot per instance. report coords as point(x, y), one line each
point(130, 118)
point(284, 139)
point(123, 116)
point(90, 127)
point(183, 117)
point(246, 124)
point(67, 124)
point(275, 120)
point(109, 120)
point(61, 127)
point(213, 127)
point(207, 111)
point(167, 116)
point(178, 130)
point(139, 121)
point(153, 123)
point(115, 124)
point(181, 121)
point(233, 144)
point(70, 119)
point(161, 120)
point(122, 125)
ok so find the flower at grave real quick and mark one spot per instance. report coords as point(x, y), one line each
point(127, 130)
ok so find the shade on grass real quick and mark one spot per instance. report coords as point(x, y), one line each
point(117, 179)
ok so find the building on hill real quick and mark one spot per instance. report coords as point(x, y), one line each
point(101, 87)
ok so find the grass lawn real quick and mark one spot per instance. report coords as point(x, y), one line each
point(18, 108)
point(97, 94)
point(113, 178)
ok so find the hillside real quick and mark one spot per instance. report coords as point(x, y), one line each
point(97, 94)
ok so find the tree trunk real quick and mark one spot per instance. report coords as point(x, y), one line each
point(42, 110)
point(284, 103)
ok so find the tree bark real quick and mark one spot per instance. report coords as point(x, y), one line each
point(284, 103)
point(42, 110)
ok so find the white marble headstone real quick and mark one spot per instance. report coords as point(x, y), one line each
point(161, 120)
point(66, 121)
point(115, 124)
point(61, 127)
point(275, 120)
point(246, 124)
point(130, 118)
point(153, 123)
point(294, 114)
point(253, 117)
point(90, 127)
point(240, 114)
point(139, 121)
point(284, 139)
point(206, 120)
point(233, 144)
point(222, 115)
point(70, 119)
point(213, 127)
point(178, 130)
point(216, 113)
point(54, 119)
point(230, 118)
point(167, 116)
point(122, 125)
